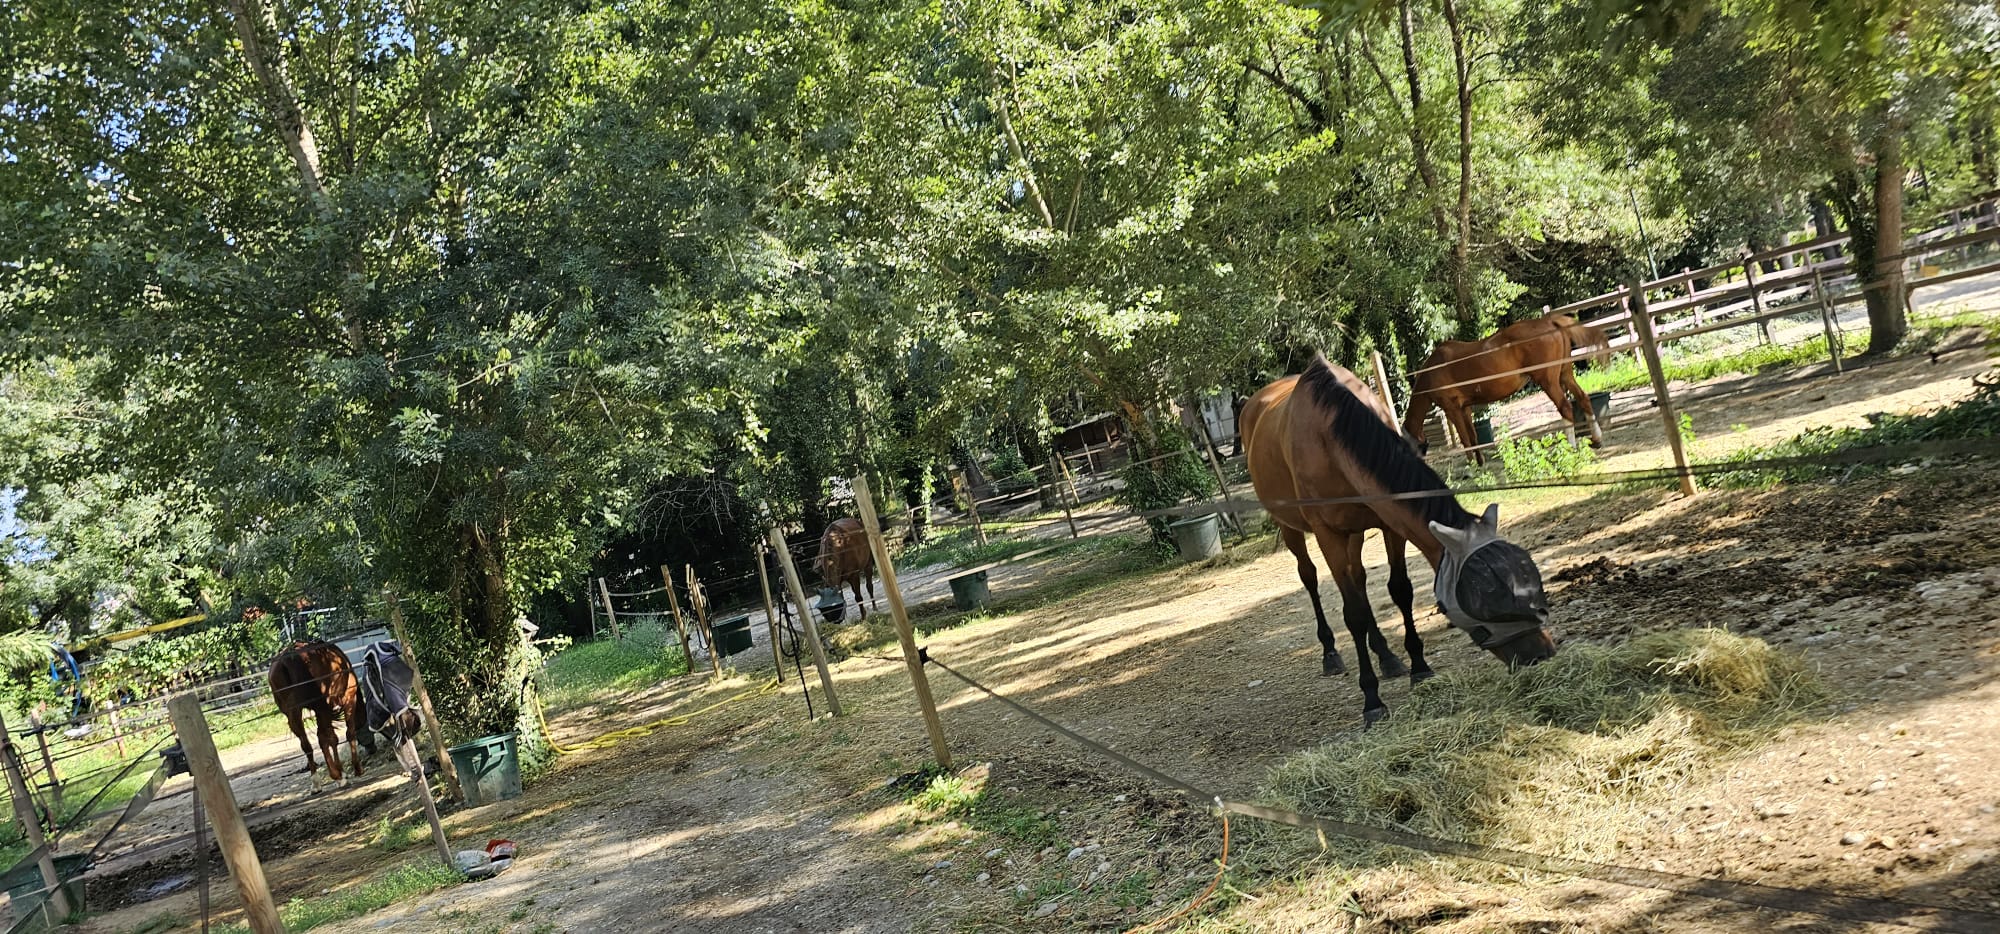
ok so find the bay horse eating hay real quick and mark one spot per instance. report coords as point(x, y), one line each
point(316, 676)
point(844, 560)
point(1324, 435)
point(1459, 375)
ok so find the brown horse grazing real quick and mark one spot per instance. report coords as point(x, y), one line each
point(316, 676)
point(1324, 435)
point(844, 560)
point(1461, 374)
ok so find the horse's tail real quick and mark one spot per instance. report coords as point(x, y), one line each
point(1584, 338)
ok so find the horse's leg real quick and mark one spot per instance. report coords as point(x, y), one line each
point(1392, 667)
point(1575, 389)
point(868, 577)
point(1329, 662)
point(357, 731)
point(1461, 422)
point(854, 584)
point(1552, 386)
point(296, 718)
point(1401, 591)
point(329, 739)
point(1360, 618)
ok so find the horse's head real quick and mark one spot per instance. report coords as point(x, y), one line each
point(1413, 423)
point(1490, 588)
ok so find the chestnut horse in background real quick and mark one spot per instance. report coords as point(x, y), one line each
point(316, 676)
point(845, 560)
point(1325, 435)
point(1459, 375)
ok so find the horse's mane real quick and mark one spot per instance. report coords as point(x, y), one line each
point(1380, 449)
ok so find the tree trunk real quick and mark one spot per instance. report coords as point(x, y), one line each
point(1461, 247)
point(1822, 222)
point(1420, 148)
point(255, 27)
point(1870, 200)
point(485, 607)
point(1888, 319)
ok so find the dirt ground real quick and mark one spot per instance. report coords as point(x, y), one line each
point(752, 819)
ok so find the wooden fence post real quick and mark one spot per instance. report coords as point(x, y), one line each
point(610, 611)
point(698, 602)
point(431, 725)
point(959, 481)
point(806, 616)
point(865, 501)
point(212, 784)
point(770, 611)
point(1382, 378)
point(1826, 320)
point(1056, 477)
point(430, 805)
point(1750, 275)
point(201, 861)
point(1642, 322)
point(680, 624)
point(31, 827)
point(49, 766)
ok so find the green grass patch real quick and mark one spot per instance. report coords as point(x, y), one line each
point(1975, 417)
point(1696, 363)
point(397, 836)
point(403, 882)
point(1554, 758)
point(1628, 372)
point(647, 655)
point(949, 795)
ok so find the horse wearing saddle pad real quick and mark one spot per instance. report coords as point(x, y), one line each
point(386, 686)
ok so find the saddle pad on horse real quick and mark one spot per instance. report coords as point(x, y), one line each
point(386, 680)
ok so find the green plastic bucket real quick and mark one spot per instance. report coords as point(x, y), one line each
point(1198, 538)
point(968, 591)
point(489, 768)
point(1482, 429)
point(732, 634)
point(24, 889)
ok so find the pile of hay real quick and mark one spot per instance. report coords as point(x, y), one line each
point(1554, 758)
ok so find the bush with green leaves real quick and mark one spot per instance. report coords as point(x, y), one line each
point(1549, 457)
point(165, 662)
point(1164, 471)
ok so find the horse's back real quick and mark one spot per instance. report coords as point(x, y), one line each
point(1290, 456)
point(843, 550)
point(316, 672)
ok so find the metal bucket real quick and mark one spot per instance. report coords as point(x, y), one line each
point(1199, 538)
point(968, 591)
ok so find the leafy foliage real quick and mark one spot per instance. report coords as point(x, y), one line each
point(1165, 470)
point(1549, 457)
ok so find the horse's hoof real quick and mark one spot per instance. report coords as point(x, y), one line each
point(1372, 714)
point(1393, 667)
point(1421, 676)
point(1330, 664)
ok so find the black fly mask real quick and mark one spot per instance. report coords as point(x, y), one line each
point(1486, 585)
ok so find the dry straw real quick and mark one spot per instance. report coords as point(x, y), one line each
point(1554, 758)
